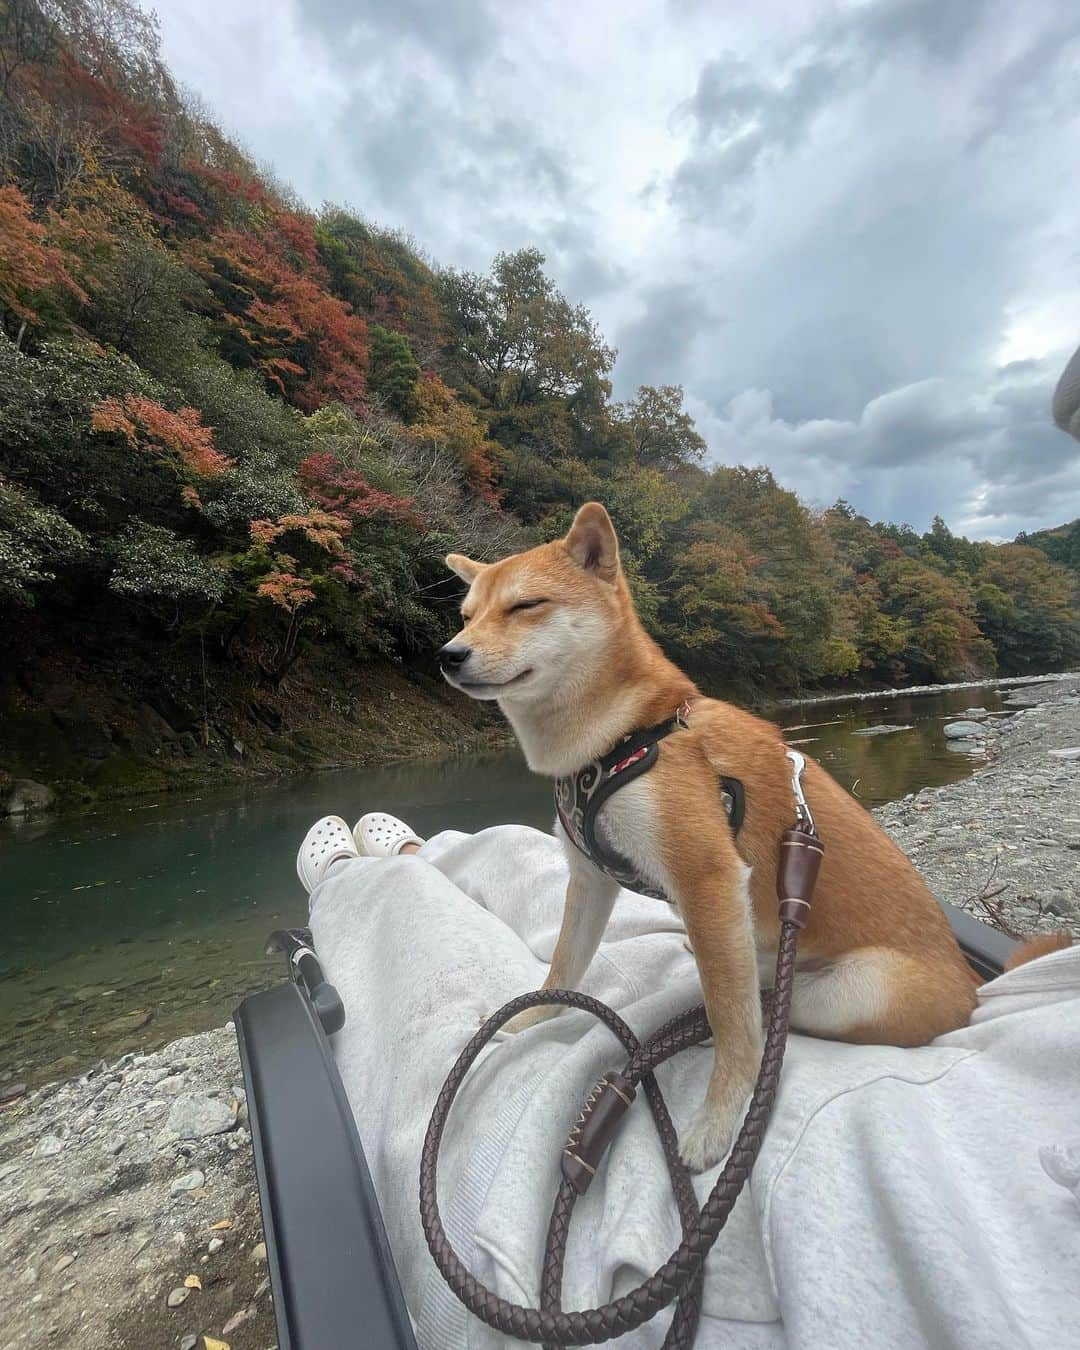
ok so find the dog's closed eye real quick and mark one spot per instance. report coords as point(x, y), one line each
point(528, 604)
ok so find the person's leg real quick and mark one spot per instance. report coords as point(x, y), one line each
point(417, 964)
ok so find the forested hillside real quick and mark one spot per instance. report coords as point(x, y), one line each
point(237, 436)
point(1061, 545)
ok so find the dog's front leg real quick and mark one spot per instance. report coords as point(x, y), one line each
point(711, 885)
point(590, 896)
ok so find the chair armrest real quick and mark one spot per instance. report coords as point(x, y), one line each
point(986, 949)
point(331, 1270)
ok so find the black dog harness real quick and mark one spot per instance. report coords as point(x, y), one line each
point(579, 797)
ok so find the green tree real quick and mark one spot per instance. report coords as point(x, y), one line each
point(1061, 545)
point(1026, 608)
point(661, 432)
point(717, 611)
point(516, 338)
point(794, 556)
point(394, 372)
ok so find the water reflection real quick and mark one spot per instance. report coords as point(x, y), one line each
point(141, 923)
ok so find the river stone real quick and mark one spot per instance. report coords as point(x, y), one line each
point(190, 1181)
point(177, 1296)
point(960, 731)
point(882, 729)
point(26, 797)
point(194, 1116)
point(132, 1021)
point(238, 1319)
point(189, 1342)
point(48, 1147)
point(1068, 752)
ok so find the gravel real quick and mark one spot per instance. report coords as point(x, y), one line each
point(106, 1213)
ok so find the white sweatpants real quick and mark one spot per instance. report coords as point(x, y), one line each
point(898, 1200)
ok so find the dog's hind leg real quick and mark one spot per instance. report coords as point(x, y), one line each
point(878, 996)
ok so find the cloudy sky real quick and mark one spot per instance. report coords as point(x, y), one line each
point(850, 230)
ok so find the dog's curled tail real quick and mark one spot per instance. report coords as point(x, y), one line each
point(1041, 945)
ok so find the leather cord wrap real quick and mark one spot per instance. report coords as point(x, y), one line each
point(595, 1128)
point(801, 852)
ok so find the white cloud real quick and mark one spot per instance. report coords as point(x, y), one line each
point(865, 207)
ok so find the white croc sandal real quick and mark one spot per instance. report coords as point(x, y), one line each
point(328, 840)
point(378, 835)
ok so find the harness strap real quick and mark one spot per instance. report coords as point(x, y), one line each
point(592, 786)
point(630, 766)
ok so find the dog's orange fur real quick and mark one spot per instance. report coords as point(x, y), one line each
point(898, 975)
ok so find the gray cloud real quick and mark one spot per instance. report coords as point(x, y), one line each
point(657, 346)
point(848, 230)
point(739, 119)
point(458, 35)
point(989, 444)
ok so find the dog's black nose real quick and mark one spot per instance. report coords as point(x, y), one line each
point(451, 657)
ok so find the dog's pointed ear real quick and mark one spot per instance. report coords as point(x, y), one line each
point(466, 569)
point(592, 542)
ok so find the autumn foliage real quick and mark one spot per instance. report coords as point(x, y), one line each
point(30, 267)
point(335, 488)
point(264, 427)
point(272, 293)
point(146, 425)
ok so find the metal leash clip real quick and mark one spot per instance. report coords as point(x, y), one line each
point(803, 815)
point(801, 853)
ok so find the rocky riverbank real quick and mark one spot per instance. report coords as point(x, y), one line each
point(128, 1211)
point(1003, 844)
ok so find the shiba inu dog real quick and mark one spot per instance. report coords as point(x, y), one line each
point(551, 634)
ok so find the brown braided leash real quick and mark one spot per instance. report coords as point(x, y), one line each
point(682, 1274)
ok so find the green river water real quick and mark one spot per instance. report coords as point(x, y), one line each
point(145, 921)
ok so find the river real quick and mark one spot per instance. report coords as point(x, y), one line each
point(146, 921)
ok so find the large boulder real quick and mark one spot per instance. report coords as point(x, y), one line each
point(27, 797)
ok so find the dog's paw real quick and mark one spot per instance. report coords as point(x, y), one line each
point(543, 1012)
point(709, 1135)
